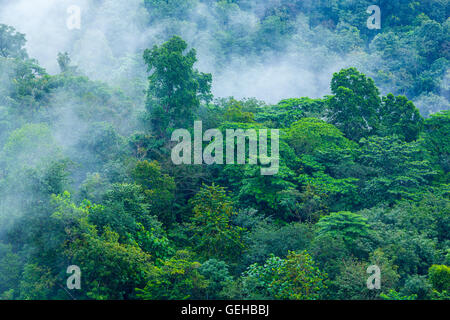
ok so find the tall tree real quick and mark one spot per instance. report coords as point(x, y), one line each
point(295, 278)
point(12, 43)
point(399, 116)
point(158, 188)
point(437, 138)
point(176, 88)
point(348, 225)
point(213, 233)
point(355, 104)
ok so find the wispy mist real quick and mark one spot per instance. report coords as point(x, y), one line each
point(113, 30)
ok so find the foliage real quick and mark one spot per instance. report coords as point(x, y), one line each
point(293, 278)
point(12, 43)
point(214, 236)
point(177, 279)
point(128, 261)
point(175, 88)
point(346, 224)
point(400, 117)
point(86, 176)
point(440, 277)
point(354, 104)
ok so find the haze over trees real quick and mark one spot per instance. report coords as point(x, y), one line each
point(86, 176)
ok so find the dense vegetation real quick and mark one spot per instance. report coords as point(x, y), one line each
point(86, 176)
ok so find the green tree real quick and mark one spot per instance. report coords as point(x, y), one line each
point(64, 63)
point(124, 210)
point(10, 269)
point(418, 286)
point(110, 270)
point(394, 295)
point(351, 282)
point(354, 105)
point(288, 111)
point(439, 276)
point(159, 189)
point(29, 145)
point(293, 278)
point(235, 113)
point(12, 43)
point(37, 283)
point(175, 87)
point(178, 9)
point(400, 117)
point(217, 275)
point(394, 168)
point(314, 136)
point(350, 226)
point(214, 236)
point(327, 162)
point(178, 278)
point(409, 244)
point(437, 138)
point(266, 238)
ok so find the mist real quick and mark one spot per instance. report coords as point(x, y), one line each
point(87, 180)
point(301, 67)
